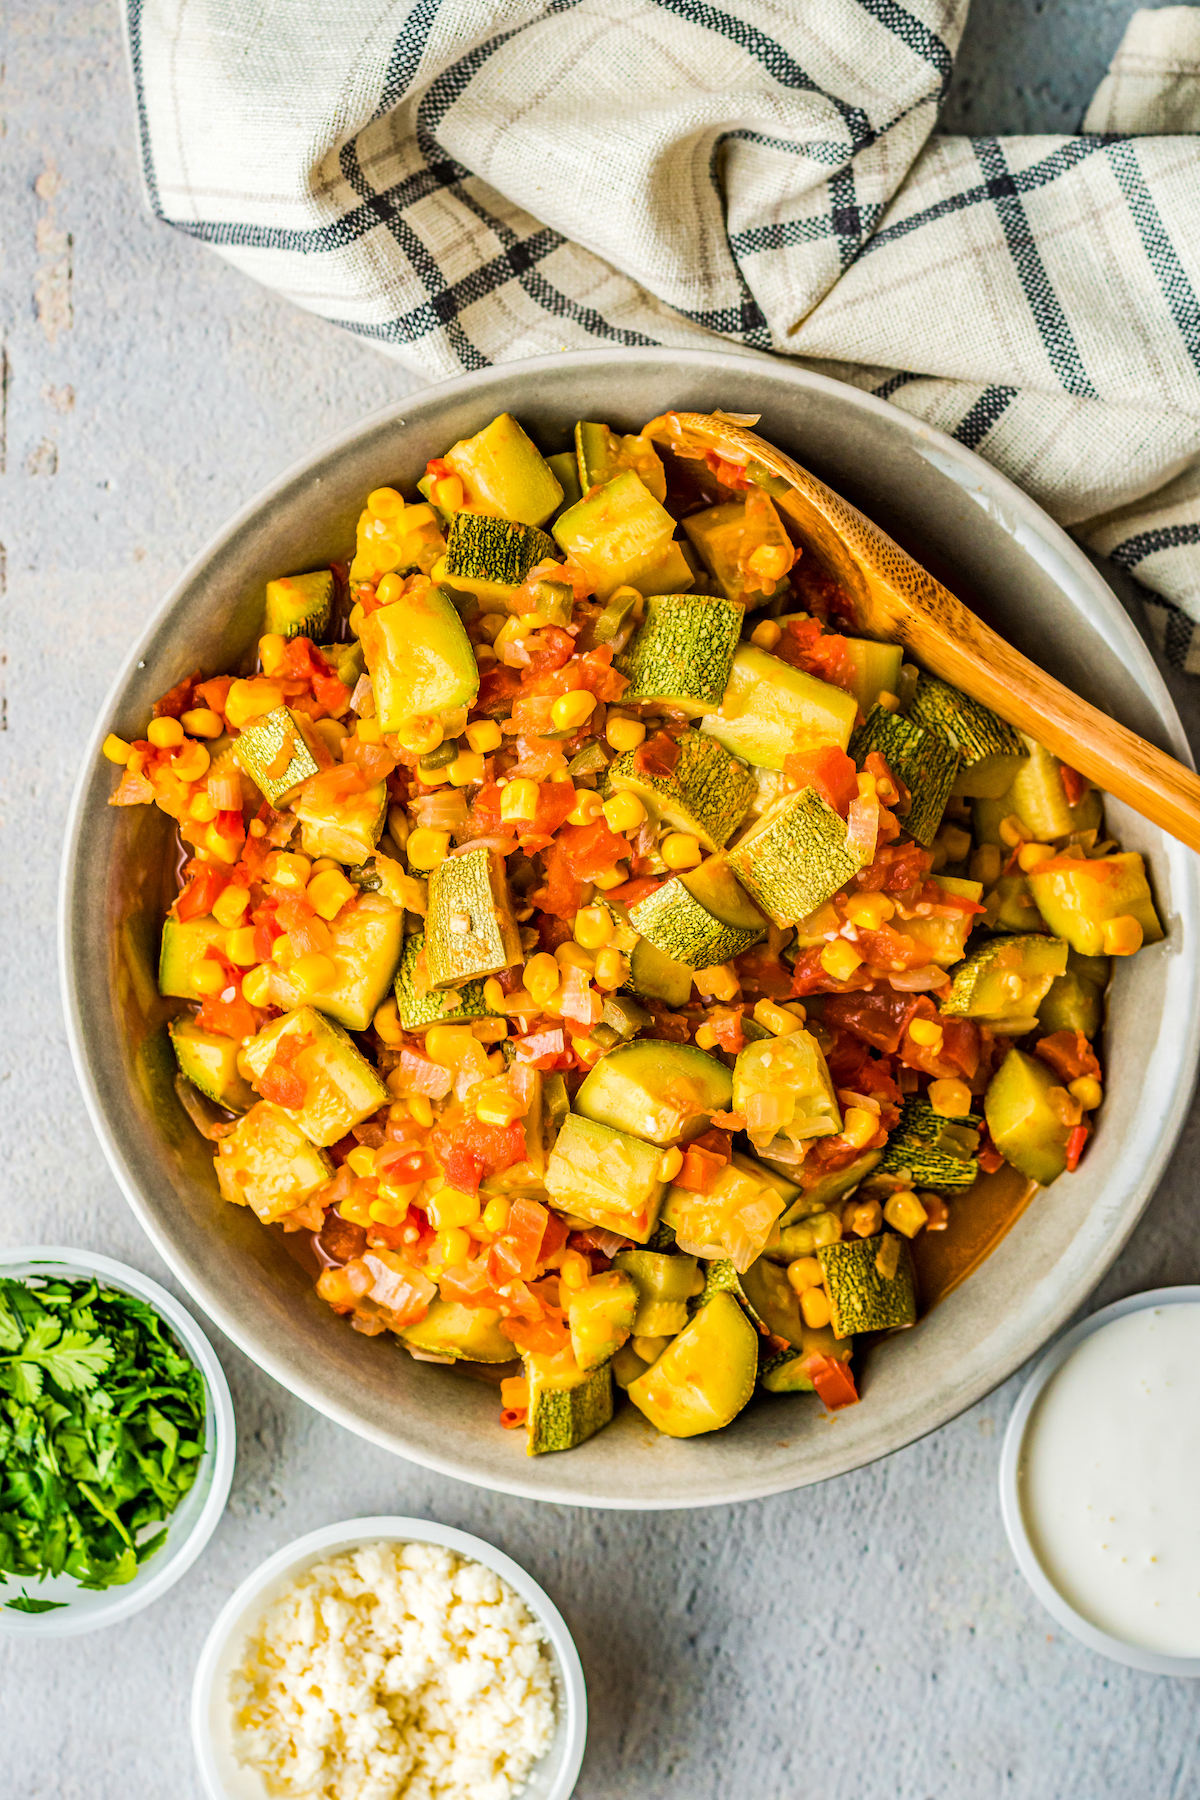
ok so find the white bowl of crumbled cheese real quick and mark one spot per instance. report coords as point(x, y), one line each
point(389, 1659)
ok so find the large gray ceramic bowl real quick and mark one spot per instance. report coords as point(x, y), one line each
point(987, 541)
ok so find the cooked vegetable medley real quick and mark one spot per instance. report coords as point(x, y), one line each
point(608, 957)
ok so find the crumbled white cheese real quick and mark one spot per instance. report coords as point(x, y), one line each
point(395, 1672)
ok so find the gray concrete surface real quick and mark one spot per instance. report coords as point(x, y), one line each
point(870, 1638)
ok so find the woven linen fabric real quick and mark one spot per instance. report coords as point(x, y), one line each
point(464, 183)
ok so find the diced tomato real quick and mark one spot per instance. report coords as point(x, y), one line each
point(498, 688)
point(833, 1381)
point(657, 756)
point(761, 974)
point(485, 818)
point(730, 475)
point(1075, 1144)
point(206, 882)
point(890, 949)
point(215, 692)
point(809, 977)
point(699, 1170)
point(279, 1081)
point(472, 1150)
point(725, 1023)
point(805, 645)
point(179, 699)
point(549, 649)
point(515, 1254)
point(817, 592)
point(589, 850)
point(1075, 785)
point(593, 672)
point(469, 1285)
point(555, 800)
point(853, 1065)
point(630, 892)
point(888, 785)
point(234, 1017)
point(548, 1336)
point(895, 869)
point(990, 1158)
point(437, 470)
point(879, 1019)
point(827, 1156)
point(561, 895)
point(1069, 1054)
point(829, 770)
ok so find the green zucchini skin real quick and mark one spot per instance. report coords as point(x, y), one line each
point(483, 548)
point(763, 1291)
point(795, 858)
point(978, 990)
point(300, 605)
point(990, 750)
point(448, 1006)
point(700, 918)
point(927, 765)
point(562, 1418)
point(860, 1297)
point(927, 1150)
point(683, 651)
point(708, 793)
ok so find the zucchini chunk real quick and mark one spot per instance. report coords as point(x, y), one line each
point(600, 454)
point(1006, 980)
point(736, 1218)
point(783, 1088)
point(419, 658)
point(728, 536)
point(1027, 1129)
point(209, 1061)
point(605, 1176)
point(928, 1150)
point(346, 827)
point(874, 670)
point(990, 750)
point(502, 472)
point(1077, 898)
point(707, 793)
point(483, 548)
point(655, 976)
point(861, 1296)
point(267, 1163)
point(346, 661)
point(662, 1287)
point(341, 1087)
point(785, 1373)
point(434, 1007)
point(469, 929)
point(664, 1093)
point(701, 917)
point(1039, 799)
point(364, 946)
point(795, 858)
point(618, 535)
point(1075, 999)
point(565, 1409)
point(705, 1376)
point(946, 939)
point(262, 752)
point(300, 605)
point(466, 1333)
point(769, 709)
point(927, 765)
point(600, 1317)
point(683, 652)
point(764, 1291)
point(1010, 906)
point(185, 943)
point(825, 1192)
point(565, 470)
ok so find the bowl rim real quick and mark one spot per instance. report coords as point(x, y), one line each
point(1134, 1656)
point(346, 1534)
point(220, 1452)
point(1036, 532)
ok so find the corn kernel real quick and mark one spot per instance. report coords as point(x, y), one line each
point(615, 877)
point(840, 959)
point(1012, 832)
point(116, 749)
point(466, 769)
point(624, 812)
point(256, 986)
point(361, 1161)
point(202, 722)
point(587, 809)
point(328, 891)
point(484, 735)
point(1123, 936)
point(450, 1045)
point(421, 1108)
point(248, 700)
point(165, 734)
point(428, 849)
point(420, 734)
point(611, 969)
point(622, 734)
point(221, 849)
point(766, 635)
point(450, 1208)
point(519, 799)
point(385, 503)
point(447, 494)
point(775, 1019)
point(952, 1099)
point(706, 1037)
point(202, 809)
point(272, 653)
point(495, 1215)
point(669, 1164)
point(955, 842)
point(1087, 1090)
point(866, 784)
point(986, 864)
point(239, 947)
point(230, 905)
point(369, 731)
point(806, 1272)
point(490, 1031)
point(866, 1218)
point(541, 976)
point(904, 1212)
point(498, 1109)
point(288, 870)
point(815, 1308)
point(313, 973)
point(869, 911)
point(574, 956)
point(593, 927)
point(859, 1126)
point(680, 850)
point(452, 1248)
point(1032, 856)
point(573, 709)
point(494, 996)
point(575, 1271)
point(720, 982)
point(385, 1212)
point(208, 976)
point(890, 702)
point(387, 1023)
point(928, 1033)
point(357, 1209)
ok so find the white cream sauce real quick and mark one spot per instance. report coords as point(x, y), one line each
point(1110, 1478)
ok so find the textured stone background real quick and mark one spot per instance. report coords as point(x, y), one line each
point(869, 1638)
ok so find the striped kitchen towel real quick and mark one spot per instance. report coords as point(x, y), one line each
point(464, 182)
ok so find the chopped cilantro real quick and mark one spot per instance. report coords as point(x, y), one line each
point(101, 1432)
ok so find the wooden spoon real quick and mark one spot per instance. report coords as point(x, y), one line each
point(894, 598)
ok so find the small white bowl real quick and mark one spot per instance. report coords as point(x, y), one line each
point(1135, 1656)
point(224, 1778)
point(194, 1519)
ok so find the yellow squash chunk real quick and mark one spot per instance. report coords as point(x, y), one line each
point(770, 709)
point(299, 605)
point(705, 1376)
point(341, 1087)
point(268, 1164)
point(618, 535)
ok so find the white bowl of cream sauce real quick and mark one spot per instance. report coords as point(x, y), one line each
point(1099, 1479)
